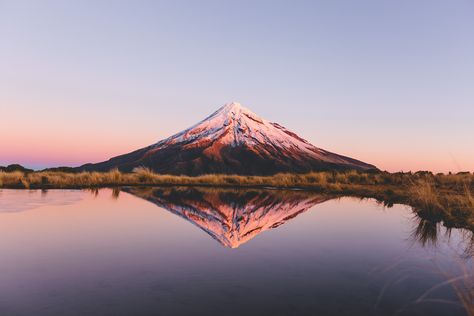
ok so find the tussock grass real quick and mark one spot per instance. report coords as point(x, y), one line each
point(446, 196)
point(425, 195)
point(425, 187)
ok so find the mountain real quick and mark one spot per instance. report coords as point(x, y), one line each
point(232, 140)
point(232, 217)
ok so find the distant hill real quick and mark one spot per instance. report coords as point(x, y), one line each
point(15, 167)
point(61, 169)
point(232, 140)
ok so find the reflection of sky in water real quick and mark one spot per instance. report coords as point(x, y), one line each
point(21, 200)
point(125, 256)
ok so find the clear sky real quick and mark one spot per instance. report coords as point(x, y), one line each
point(387, 82)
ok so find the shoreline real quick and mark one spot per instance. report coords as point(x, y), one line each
point(448, 198)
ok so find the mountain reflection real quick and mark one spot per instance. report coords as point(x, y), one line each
point(232, 217)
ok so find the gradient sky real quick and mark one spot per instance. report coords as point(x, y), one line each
point(387, 82)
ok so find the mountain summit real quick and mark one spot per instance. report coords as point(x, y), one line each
point(232, 140)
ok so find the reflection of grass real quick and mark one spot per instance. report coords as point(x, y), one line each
point(462, 284)
point(427, 232)
point(464, 288)
point(440, 197)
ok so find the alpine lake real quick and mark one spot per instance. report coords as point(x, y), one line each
point(203, 251)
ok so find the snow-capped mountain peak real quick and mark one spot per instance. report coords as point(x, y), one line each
point(235, 140)
point(234, 124)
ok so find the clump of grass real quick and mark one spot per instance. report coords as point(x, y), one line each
point(15, 179)
point(423, 193)
point(115, 176)
point(469, 198)
point(144, 174)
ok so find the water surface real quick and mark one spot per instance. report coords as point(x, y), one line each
point(178, 251)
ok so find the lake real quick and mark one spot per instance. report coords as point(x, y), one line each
point(182, 251)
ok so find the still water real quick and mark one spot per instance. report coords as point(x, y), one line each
point(178, 251)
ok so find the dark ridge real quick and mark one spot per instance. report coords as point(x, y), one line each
point(15, 167)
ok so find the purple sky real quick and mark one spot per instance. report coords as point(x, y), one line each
point(387, 82)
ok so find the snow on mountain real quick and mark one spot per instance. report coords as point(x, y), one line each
point(232, 140)
point(237, 125)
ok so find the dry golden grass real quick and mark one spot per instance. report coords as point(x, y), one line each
point(424, 194)
point(427, 183)
point(469, 198)
point(447, 195)
point(425, 187)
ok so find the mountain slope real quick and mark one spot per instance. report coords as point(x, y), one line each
point(232, 140)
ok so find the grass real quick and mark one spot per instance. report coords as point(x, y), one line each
point(447, 197)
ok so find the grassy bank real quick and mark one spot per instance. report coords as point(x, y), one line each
point(443, 196)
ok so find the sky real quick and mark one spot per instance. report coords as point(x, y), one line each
point(387, 82)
